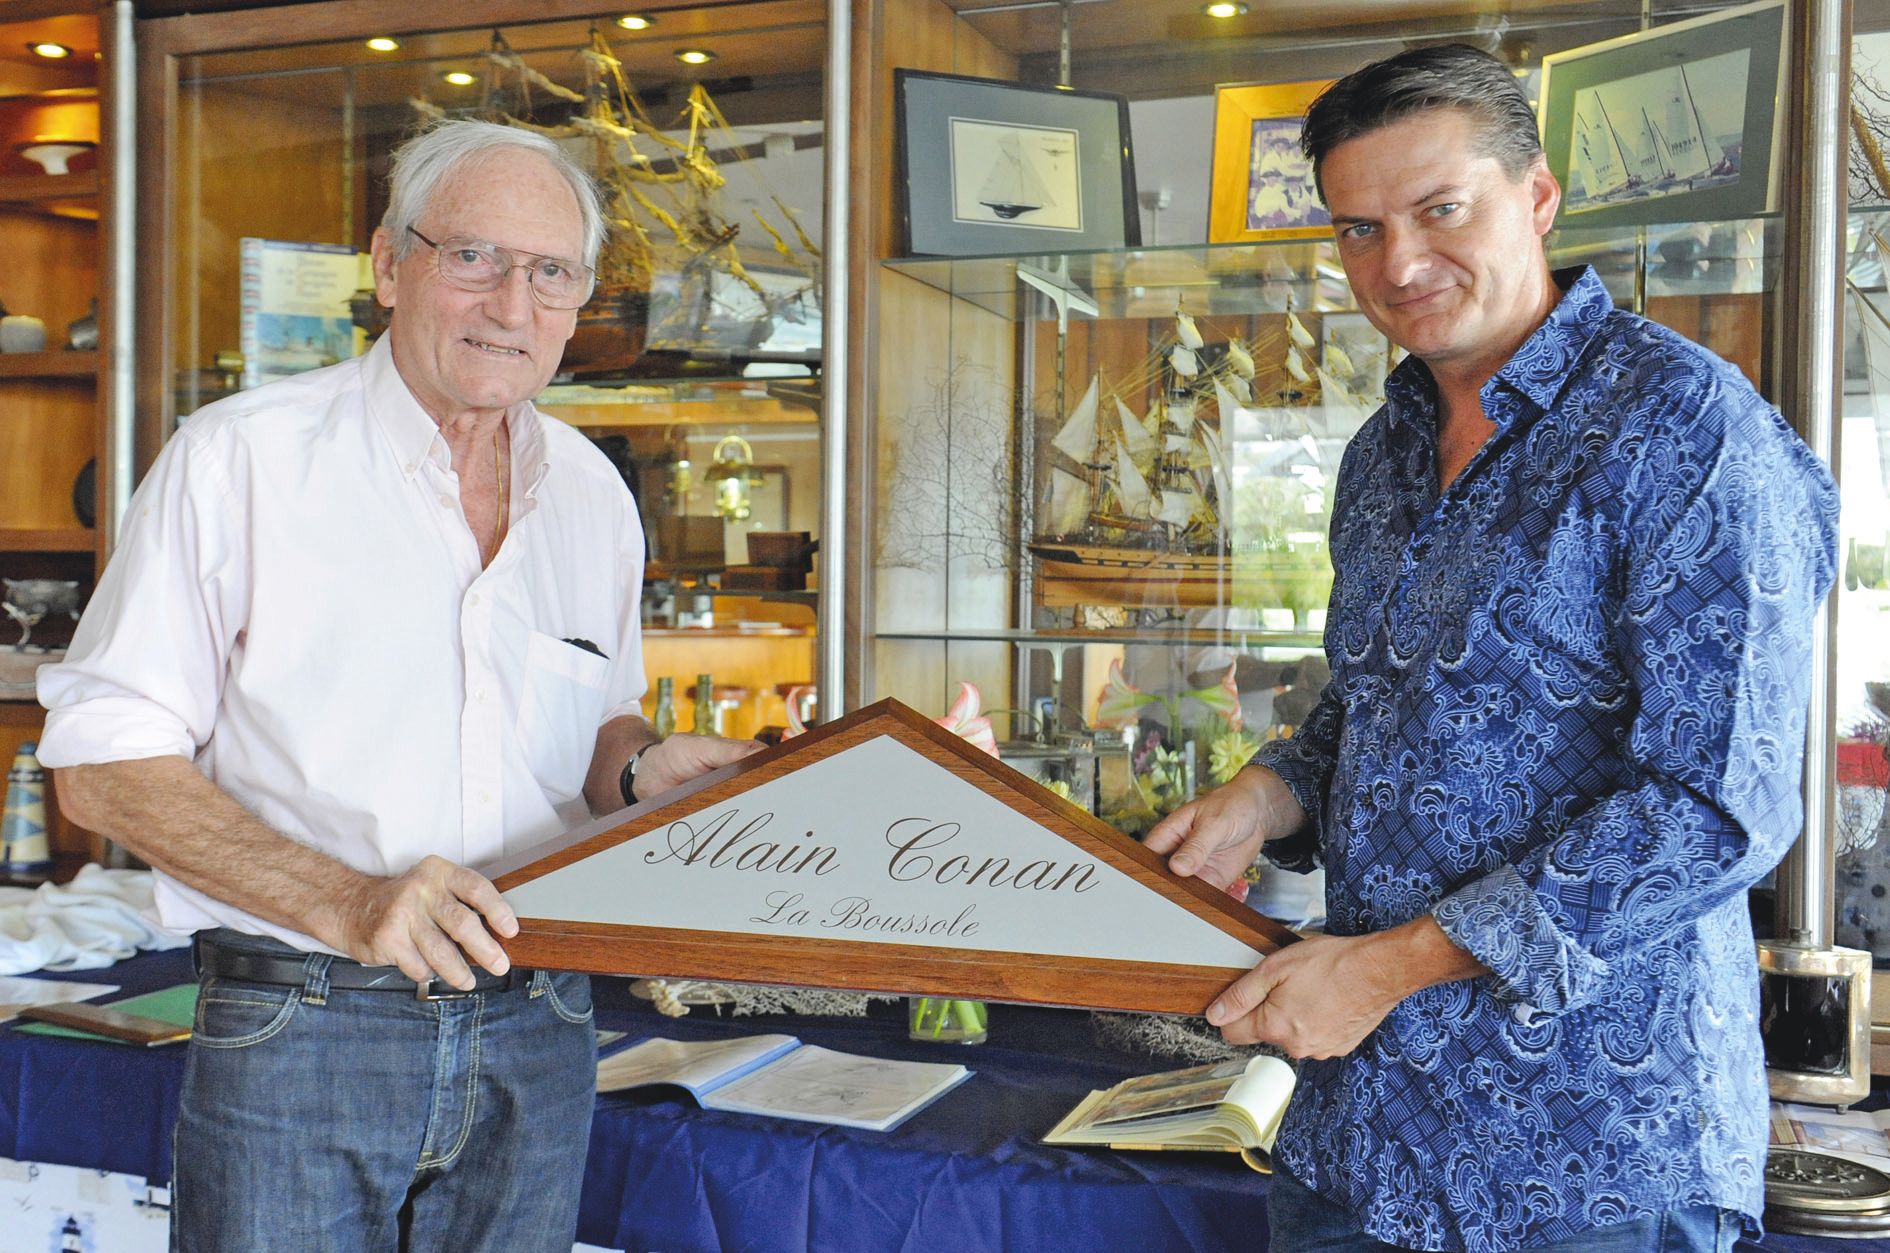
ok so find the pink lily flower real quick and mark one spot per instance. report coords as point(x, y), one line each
point(1223, 698)
point(1121, 701)
point(964, 721)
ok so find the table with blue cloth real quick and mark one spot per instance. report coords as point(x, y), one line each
point(965, 1173)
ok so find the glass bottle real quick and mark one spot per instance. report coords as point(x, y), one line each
point(664, 721)
point(705, 705)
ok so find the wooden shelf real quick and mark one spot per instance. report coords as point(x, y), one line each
point(64, 539)
point(29, 188)
point(49, 365)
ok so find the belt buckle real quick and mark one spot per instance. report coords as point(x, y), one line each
point(423, 991)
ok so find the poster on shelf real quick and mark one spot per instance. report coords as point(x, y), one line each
point(881, 853)
point(295, 313)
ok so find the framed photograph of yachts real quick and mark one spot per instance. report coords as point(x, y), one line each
point(991, 167)
point(1678, 123)
point(1262, 184)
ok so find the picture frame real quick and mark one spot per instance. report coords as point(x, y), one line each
point(1674, 124)
point(1262, 186)
point(988, 167)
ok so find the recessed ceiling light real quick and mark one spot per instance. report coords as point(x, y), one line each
point(695, 56)
point(636, 21)
point(1225, 8)
point(459, 78)
point(382, 43)
point(51, 51)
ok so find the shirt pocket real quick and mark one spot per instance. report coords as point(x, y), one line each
point(560, 705)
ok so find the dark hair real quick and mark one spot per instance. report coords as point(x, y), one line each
point(1444, 76)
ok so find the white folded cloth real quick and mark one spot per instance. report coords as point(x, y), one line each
point(102, 916)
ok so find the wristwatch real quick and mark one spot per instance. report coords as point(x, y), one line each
point(627, 781)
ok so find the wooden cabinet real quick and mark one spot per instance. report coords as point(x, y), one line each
point(55, 187)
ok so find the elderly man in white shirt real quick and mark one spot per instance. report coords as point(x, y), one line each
point(368, 628)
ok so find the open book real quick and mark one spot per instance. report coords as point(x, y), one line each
point(1861, 1136)
point(1234, 1106)
point(780, 1076)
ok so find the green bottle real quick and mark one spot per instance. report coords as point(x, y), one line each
point(705, 705)
point(665, 720)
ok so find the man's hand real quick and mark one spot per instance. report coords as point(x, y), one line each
point(428, 922)
point(680, 758)
point(1322, 996)
point(1218, 836)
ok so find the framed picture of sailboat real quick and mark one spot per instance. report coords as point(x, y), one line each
point(1675, 124)
point(993, 167)
point(1262, 184)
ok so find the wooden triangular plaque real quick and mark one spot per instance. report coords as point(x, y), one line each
point(881, 853)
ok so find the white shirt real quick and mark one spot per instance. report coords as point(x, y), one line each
point(297, 605)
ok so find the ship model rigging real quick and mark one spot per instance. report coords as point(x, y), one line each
point(672, 285)
point(1138, 506)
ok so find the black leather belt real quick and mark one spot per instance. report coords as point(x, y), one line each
point(219, 961)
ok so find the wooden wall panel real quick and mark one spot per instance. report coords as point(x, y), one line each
point(46, 425)
point(923, 337)
point(247, 165)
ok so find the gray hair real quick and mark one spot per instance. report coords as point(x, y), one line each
point(1444, 76)
point(422, 163)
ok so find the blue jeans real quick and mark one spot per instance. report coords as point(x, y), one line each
point(316, 1118)
point(1299, 1220)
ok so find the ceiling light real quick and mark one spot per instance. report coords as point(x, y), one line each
point(382, 43)
point(51, 51)
point(459, 78)
point(1225, 8)
point(636, 21)
point(695, 56)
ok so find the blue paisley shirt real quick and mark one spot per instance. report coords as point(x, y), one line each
point(1566, 719)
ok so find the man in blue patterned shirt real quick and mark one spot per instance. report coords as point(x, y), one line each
point(1578, 562)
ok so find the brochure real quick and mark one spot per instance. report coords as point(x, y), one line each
point(777, 1075)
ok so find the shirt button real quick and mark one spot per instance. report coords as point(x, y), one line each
point(473, 600)
point(447, 501)
point(413, 467)
point(485, 798)
point(479, 694)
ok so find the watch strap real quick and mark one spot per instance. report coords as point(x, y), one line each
point(627, 781)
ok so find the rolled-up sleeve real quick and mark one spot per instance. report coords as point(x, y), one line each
point(1729, 532)
point(145, 670)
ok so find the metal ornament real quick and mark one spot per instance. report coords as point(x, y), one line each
point(1812, 1193)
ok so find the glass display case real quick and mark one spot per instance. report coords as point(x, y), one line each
point(698, 366)
point(1104, 479)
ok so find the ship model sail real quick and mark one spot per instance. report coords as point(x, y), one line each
point(1136, 510)
point(670, 258)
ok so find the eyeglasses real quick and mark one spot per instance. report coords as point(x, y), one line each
point(474, 265)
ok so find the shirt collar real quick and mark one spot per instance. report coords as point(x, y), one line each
point(1539, 369)
point(416, 437)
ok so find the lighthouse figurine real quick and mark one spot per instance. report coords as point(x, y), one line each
point(25, 853)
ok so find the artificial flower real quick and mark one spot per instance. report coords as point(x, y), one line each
point(964, 721)
point(1121, 701)
point(1223, 698)
point(1228, 753)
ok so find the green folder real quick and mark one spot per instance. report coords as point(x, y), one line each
point(175, 1005)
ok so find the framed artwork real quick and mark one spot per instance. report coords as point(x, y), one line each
point(1262, 184)
point(988, 167)
point(1678, 123)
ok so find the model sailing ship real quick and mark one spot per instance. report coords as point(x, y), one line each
point(1138, 514)
point(670, 257)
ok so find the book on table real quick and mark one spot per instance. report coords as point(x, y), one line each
point(777, 1075)
point(1860, 1135)
point(1232, 1106)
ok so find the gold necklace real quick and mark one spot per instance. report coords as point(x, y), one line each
point(505, 489)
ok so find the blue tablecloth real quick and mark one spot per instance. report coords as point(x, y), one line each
point(964, 1174)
